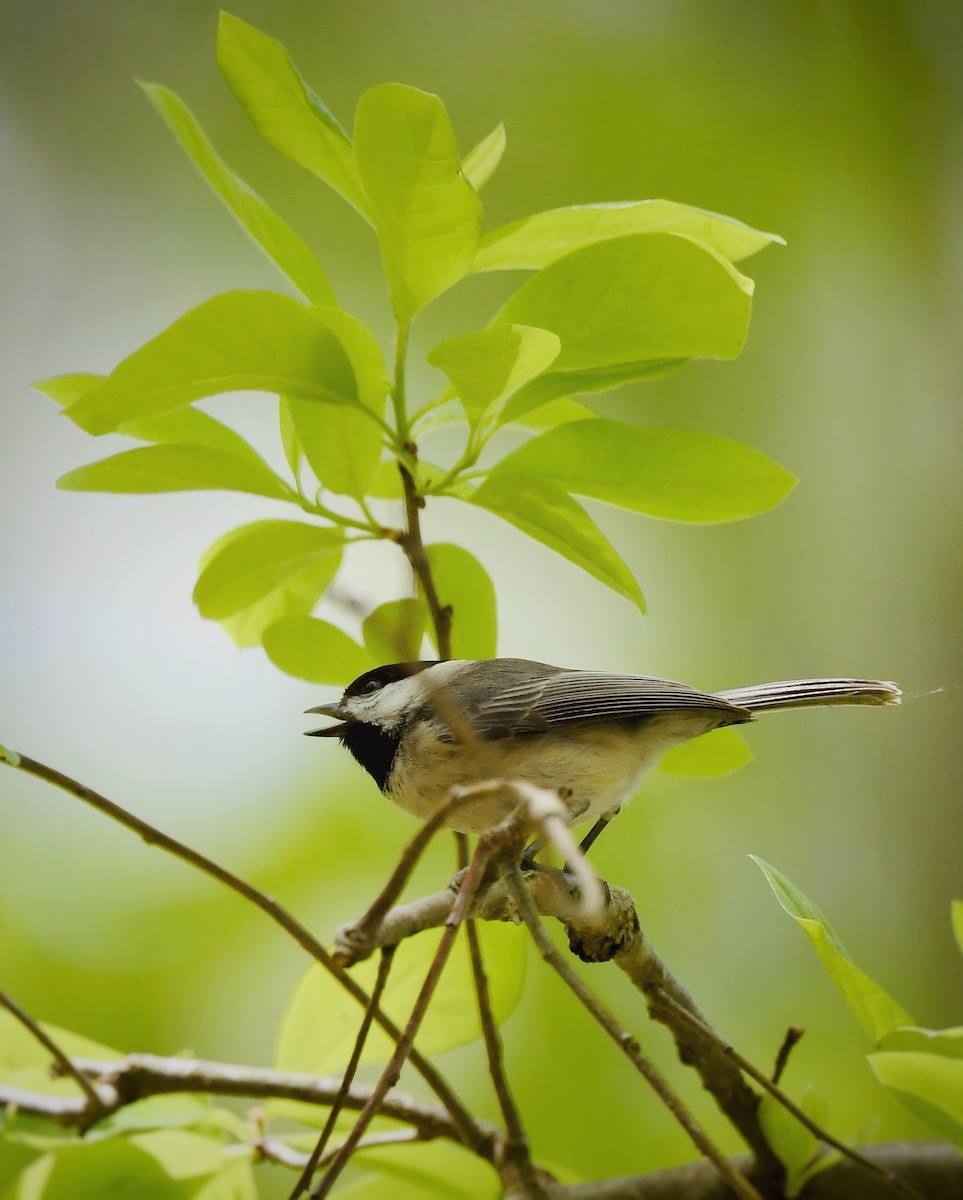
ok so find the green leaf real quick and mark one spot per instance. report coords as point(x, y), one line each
point(930, 1084)
point(275, 237)
point(293, 595)
point(435, 1171)
point(175, 468)
point(543, 511)
point(182, 1155)
point(674, 474)
point(540, 239)
point(318, 1029)
point(235, 1182)
point(426, 212)
point(956, 917)
point(717, 753)
point(394, 631)
point(239, 341)
point(342, 443)
point(65, 389)
point(945, 1042)
point(464, 584)
point(188, 424)
point(283, 108)
point(487, 366)
point(110, 1170)
point(555, 384)
point(258, 560)
point(481, 162)
point(315, 650)
point(629, 308)
point(290, 442)
point(555, 412)
point(791, 1141)
point(876, 1011)
point(19, 1049)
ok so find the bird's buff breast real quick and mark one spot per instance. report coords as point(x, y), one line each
point(594, 768)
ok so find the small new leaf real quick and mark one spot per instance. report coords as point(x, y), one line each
point(543, 511)
point(488, 366)
point(238, 341)
point(394, 631)
point(427, 214)
point(481, 161)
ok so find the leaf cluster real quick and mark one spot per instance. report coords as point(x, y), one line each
point(609, 294)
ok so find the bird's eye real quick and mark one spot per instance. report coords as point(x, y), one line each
point(373, 685)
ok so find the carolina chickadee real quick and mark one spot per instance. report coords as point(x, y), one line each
point(421, 728)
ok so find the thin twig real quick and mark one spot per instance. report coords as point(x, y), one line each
point(517, 1145)
point(469, 886)
point(67, 1067)
point(317, 1155)
point(466, 1123)
point(778, 1094)
point(626, 1043)
point(414, 548)
point(793, 1034)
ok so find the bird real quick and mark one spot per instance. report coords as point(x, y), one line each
point(421, 729)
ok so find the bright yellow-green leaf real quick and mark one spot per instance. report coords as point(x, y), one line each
point(489, 365)
point(183, 1155)
point(630, 308)
point(426, 212)
point(435, 1171)
point(956, 916)
point(674, 474)
point(109, 1169)
point(318, 1029)
point(234, 1182)
point(931, 1085)
point(540, 239)
point(342, 443)
point(555, 412)
point(543, 511)
point(176, 468)
point(394, 631)
point(239, 341)
point(283, 108)
point(482, 160)
point(188, 425)
point(315, 650)
point(276, 238)
point(464, 584)
point(875, 1010)
point(256, 560)
point(717, 753)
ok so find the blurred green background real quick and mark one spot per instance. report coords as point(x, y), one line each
point(838, 125)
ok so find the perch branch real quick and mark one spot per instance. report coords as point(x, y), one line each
point(526, 907)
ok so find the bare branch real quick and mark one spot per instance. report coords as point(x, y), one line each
point(469, 886)
point(138, 1076)
point(626, 1043)
point(470, 1128)
point(414, 547)
point(317, 1155)
point(67, 1067)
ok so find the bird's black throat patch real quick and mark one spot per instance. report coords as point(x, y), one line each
point(373, 748)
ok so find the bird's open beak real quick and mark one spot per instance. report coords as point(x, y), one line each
point(329, 710)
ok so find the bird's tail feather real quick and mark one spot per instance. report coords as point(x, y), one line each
point(807, 693)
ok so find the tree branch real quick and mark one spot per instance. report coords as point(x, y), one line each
point(470, 1128)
